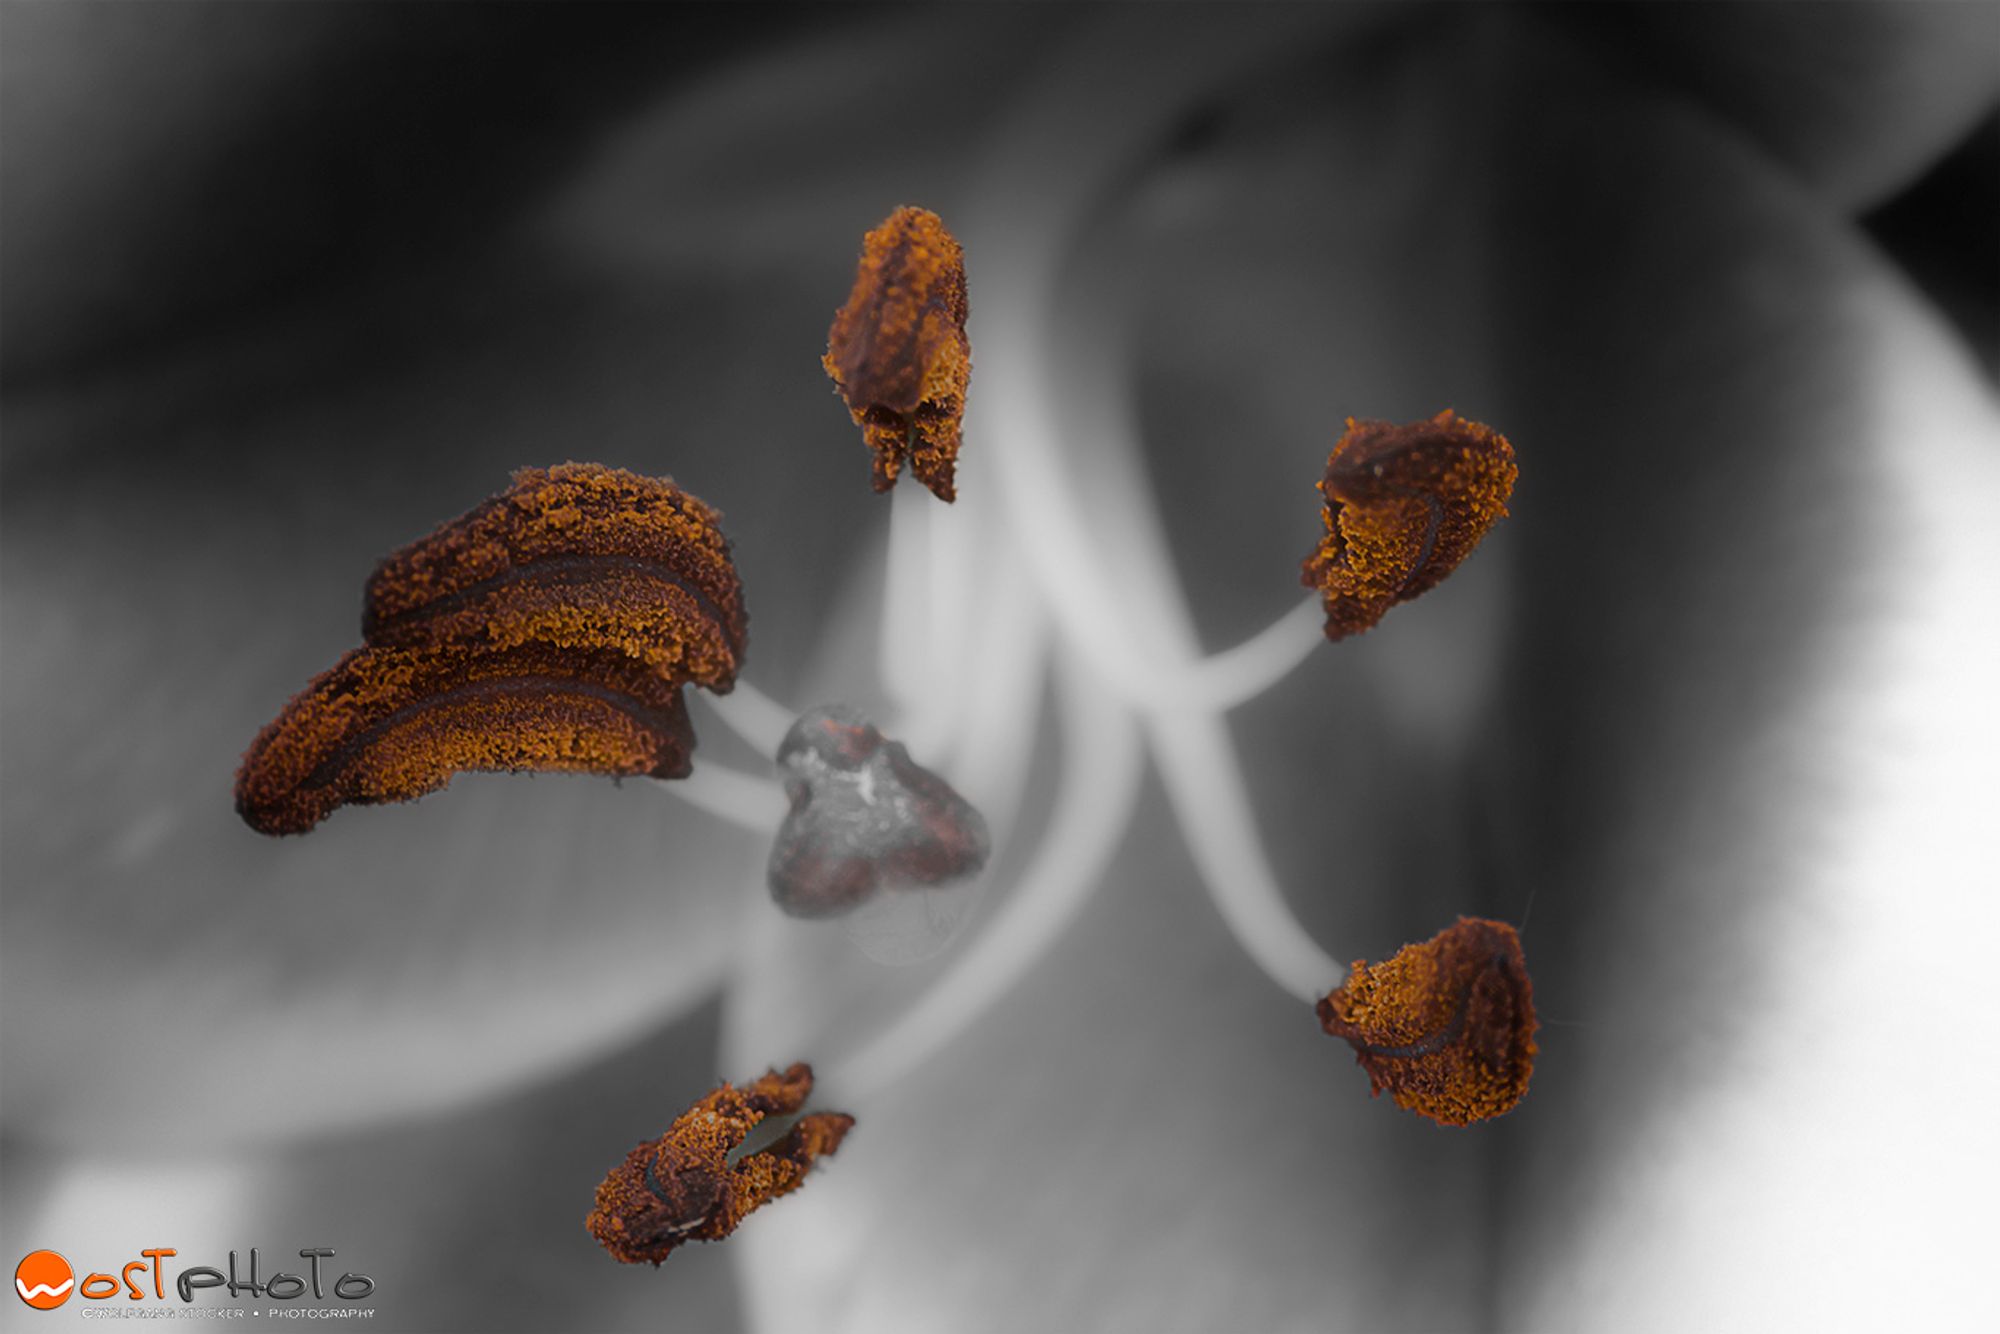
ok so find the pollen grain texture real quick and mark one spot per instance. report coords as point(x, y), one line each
point(1404, 505)
point(550, 628)
point(898, 350)
point(1447, 1026)
point(681, 1187)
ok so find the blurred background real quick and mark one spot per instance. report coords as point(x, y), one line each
point(1711, 714)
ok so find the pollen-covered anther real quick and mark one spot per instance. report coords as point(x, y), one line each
point(898, 349)
point(1447, 1027)
point(682, 1187)
point(864, 817)
point(551, 628)
point(576, 557)
point(1404, 505)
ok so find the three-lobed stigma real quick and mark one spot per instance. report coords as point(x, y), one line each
point(864, 817)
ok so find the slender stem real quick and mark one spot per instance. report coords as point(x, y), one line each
point(931, 596)
point(757, 804)
point(747, 711)
point(1097, 788)
point(907, 640)
point(999, 701)
point(1046, 177)
point(1223, 680)
point(1108, 572)
point(1195, 753)
point(996, 742)
point(957, 535)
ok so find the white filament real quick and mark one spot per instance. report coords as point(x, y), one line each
point(754, 716)
point(1107, 573)
point(963, 629)
point(1223, 680)
point(1095, 794)
point(757, 804)
point(933, 590)
point(908, 640)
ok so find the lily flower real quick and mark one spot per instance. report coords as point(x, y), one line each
point(1709, 718)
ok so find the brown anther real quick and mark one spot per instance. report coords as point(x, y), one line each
point(898, 349)
point(551, 628)
point(576, 557)
point(1447, 1027)
point(682, 1187)
point(1404, 505)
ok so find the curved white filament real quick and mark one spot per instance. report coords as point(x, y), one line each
point(1198, 763)
point(1107, 572)
point(909, 643)
point(753, 715)
point(1095, 794)
point(937, 618)
point(757, 804)
point(996, 698)
point(995, 733)
point(1223, 680)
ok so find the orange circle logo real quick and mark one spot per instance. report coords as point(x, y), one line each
point(44, 1280)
